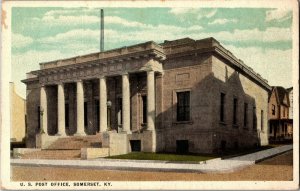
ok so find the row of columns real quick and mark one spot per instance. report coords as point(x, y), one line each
point(102, 105)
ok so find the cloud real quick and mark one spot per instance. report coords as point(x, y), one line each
point(71, 11)
point(73, 39)
point(272, 64)
point(272, 34)
point(207, 14)
point(223, 21)
point(278, 14)
point(182, 10)
point(72, 35)
point(199, 12)
point(64, 20)
point(25, 62)
point(19, 40)
point(124, 22)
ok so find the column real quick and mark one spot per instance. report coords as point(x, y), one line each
point(103, 104)
point(150, 101)
point(61, 110)
point(126, 102)
point(43, 110)
point(80, 108)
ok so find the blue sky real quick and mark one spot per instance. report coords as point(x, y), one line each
point(261, 37)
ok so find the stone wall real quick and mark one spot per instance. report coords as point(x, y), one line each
point(192, 74)
point(236, 85)
point(32, 103)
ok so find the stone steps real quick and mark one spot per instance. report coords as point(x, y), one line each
point(53, 154)
point(76, 142)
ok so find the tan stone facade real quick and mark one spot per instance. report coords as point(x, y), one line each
point(18, 113)
point(184, 95)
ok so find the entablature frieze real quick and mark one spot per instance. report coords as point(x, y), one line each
point(70, 75)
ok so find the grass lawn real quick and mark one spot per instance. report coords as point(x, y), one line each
point(239, 152)
point(188, 157)
point(163, 156)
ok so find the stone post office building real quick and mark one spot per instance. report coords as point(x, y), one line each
point(184, 95)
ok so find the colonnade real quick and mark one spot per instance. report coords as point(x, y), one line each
point(102, 105)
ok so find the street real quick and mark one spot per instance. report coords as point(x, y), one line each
point(277, 168)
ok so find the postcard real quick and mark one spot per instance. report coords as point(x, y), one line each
point(148, 95)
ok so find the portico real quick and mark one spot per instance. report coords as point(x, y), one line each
point(79, 94)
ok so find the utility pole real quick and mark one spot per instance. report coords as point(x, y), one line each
point(102, 31)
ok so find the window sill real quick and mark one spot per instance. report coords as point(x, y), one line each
point(183, 122)
point(235, 126)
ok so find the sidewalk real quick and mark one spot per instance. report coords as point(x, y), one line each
point(210, 166)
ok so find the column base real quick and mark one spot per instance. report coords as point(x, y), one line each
point(60, 134)
point(125, 132)
point(80, 134)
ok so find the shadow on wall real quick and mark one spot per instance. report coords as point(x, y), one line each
point(222, 117)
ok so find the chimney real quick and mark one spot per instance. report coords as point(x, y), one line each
point(102, 32)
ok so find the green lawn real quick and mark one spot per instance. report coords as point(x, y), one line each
point(162, 156)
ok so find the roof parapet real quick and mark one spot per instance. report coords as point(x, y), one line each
point(102, 55)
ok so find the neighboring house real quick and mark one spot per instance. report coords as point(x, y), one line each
point(18, 115)
point(280, 122)
point(184, 95)
point(290, 124)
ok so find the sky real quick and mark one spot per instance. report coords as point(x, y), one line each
point(261, 37)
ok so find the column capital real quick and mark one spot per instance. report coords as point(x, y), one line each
point(102, 77)
point(125, 73)
point(78, 80)
point(150, 71)
point(60, 83)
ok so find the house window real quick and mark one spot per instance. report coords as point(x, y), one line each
point(245, 114)
point(254, 118)
point(222, 104)
point(235, 103)
point(183, 106)
point(273, 109)
point(262, 120)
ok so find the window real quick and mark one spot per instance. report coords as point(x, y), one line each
point(144, 100)
point(97, 113)
point(222, 107)
point(283, 111)
point(254, 118)
point(85, 114)
point(183, 106)
point(235, 102)
point(273, 109)
point(245, 114)
point(39, 117)
point(262, 120)
point(270, 129)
